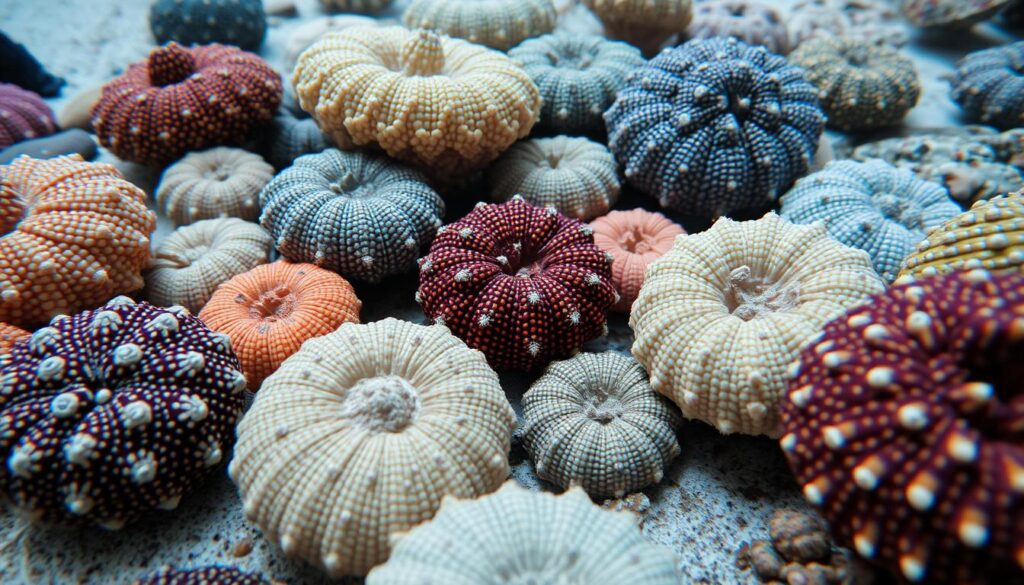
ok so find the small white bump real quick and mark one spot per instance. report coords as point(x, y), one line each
point(912, 416)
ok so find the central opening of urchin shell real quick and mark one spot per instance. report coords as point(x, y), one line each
point(571, 59)
point(602, 407)
point(271, 305)
point(748, 295)
point(857, 56)
point(383, 404)
point(900, 209)
point(636, 240)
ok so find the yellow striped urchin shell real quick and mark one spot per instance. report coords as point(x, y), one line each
point(360, 434)
point(219, 182)
point(499, 24)
point(594, 421)
point(722, 315)
point(446, 104)
point(990, 235)
point(516, 537)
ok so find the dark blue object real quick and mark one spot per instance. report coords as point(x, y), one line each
point(242, 23)
point(19, 67)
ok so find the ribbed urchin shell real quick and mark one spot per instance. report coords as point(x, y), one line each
point(594, 421)
point(23, 116)
point(310, 31)
point(950, 13)
point(523, 284)
point(499, 24)
point(375, 423)
point(8, 335)
point(715, 126)
point(578, 77)
point(184, 99)
point(755, 23)
point(634, 238)
point(877, 22)
point(517, 536)
point(190, 263)
point(242, 23)
point(74, 235)
point(219, 182)
point(646, 24)
point(903, 425)
point(872, 206)
point(212, 575)
point(111, 413)
point(269, 311)
point(990, 235)
point(723, 313)
point(362, 6)
point(989, 85)
point(362, 215)
point(442, 103)
point(576, 176)
point(290, 137)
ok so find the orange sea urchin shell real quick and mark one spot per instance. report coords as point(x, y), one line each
point(8, 335)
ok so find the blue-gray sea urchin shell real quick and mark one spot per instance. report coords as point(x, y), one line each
point(989, 85)
point(578, 77)
point(211, 575)
point(113, 412)
point(361, 215)
point(242, 23)
point(714, 126)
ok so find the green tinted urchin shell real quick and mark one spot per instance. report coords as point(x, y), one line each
point(499, 24)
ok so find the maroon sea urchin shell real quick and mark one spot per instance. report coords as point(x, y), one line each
point(23, 116)
point(905, 424)
point(109, 413)
point(213, 575)
point(522, 284)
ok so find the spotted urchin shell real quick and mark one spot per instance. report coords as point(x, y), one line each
point(442, 103)
point(219, 182)
point(989, 85)
point(8, 335)
point(576, 176)
point(715, 126)
point(646, 24)
point(594, 421)
point(634, 238)
point(578, 77)
point(903, 425)
point(877, 22)
point(212, 575)
point(375, 423)
point(110, 413)
point(755, 23)
point(74, 234)
point(361, 6)
point(523, 284)
point(184, 99)
point(872, 206)
point(242, 23)
point(530, 538)
point(499, 24)
point(362, 215)
point(990, 235)
point(190, 263)
point(269, 311)
point(950, 13)
point(725, 311)
point(23, 116)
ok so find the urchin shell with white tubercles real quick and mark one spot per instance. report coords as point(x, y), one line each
point(219, 182)
point(594, 421)
point(361, 433)
point(499, 24)
point(989, 85)
point(515, 536)
point(755, 23)
point(722, 314)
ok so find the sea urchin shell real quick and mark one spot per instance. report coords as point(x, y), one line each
point(646, 24)
point(989, 85)
point(499, 24)
point(212, 575)
point(23, 116)
point(755, 23)
point(220, 182)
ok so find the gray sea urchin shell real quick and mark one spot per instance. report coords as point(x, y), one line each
point(989, 85)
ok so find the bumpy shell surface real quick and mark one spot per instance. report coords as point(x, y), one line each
point(903, 425)
point(308, 32)
point(714, 126)
point(755, 23)
point(220, 182)
point(446, 104)
point(950, 13)
point(576, 176)
point(362, 6)
point(499, 24)
point(723, 314)
point(8, 335)
point(242, 23)
point(362, 215)
point(185, 99)
point(989, 85)
point(878, 22)
point(594, 421)
point(74, 235)
point(290, 137)
point(523, 284)
point(111, 413)
point(269, 311)
point(634, 238)
point(23, 116)
point(872, 206)
point(213, 575)
point(646, 24)
point(990, 235)
point(578, 77)
point(375, 423)
point(190, 263)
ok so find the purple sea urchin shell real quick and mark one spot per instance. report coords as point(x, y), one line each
point(989, 85)
point(755, 23)
point(112, 412)
point(213, 575)
point(23, 116)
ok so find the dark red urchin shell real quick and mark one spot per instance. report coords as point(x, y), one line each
point(184, 99)
point(905, 425)
point(23, 116)
point(112, 412)
point(212, 575)
point(523, 284)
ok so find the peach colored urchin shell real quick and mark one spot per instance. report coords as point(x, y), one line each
point(634, 238)
point(645, 24)
point(219, 182)
point(724, 313)
point(359, 436)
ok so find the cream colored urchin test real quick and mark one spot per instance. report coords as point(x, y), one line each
point(516, 537)
point(499, 24)
point(594, 421)
point(360, 434)
point(722, 315)
point(219, 182)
